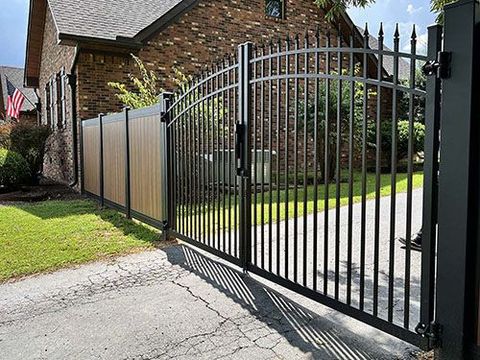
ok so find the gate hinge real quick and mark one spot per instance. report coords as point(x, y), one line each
point(439, 67)
point(431, 332)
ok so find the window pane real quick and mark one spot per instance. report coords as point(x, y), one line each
point(274, 8)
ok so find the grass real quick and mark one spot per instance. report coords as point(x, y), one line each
point(288, 212)
point(53, 234)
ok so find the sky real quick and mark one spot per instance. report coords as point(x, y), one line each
point(404, 12)
point(14, 14)
point(13, 30)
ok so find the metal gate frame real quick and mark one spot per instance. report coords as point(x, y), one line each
point(208, 86)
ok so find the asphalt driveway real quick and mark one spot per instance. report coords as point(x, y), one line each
point(174, 303)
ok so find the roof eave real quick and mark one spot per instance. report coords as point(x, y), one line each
point(37, 10)
point(125, 42)
point(165, 20)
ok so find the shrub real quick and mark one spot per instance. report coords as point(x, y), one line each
point(14, 169)
point(418, 137)
point(402, 137)
point(5, 130)
point(30, 141)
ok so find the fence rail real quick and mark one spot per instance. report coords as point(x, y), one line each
point(124, 162)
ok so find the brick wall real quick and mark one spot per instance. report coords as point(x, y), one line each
point(58, 160)
point(206, 33)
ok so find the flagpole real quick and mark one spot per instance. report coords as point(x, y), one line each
point(34, 106)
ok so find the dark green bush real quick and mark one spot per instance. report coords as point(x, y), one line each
point(402, 137)
point(14, 169)
point(30, 141)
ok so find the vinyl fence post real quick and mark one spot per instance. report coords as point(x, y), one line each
point(82, 161)
point(102, 187)
point(167, 158)
point(128, 207)
point(244, 170)
point(458, 214)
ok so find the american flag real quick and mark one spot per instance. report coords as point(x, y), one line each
point(15, 101)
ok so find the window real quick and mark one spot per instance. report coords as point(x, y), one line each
point(47, 104)
point(55, 98)
point(275, 8)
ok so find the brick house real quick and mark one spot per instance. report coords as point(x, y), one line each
point(74, 48)
point(15, 76)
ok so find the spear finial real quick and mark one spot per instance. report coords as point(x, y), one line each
point(396, 35)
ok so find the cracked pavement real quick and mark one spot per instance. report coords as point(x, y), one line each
point(175, 303)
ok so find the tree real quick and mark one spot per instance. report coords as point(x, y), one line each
point(319, 108)
point(338, 6)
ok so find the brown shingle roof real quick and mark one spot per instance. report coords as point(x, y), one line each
point(106, 19)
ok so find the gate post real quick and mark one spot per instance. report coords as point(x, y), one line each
point(244, 155)
point(167, 165)
point(430, 186)
point(459, 183)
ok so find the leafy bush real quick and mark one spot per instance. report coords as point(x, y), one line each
point(403, 128)
point(14, 169)
point(30, 141)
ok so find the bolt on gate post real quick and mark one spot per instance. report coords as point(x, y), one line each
point(459, 184)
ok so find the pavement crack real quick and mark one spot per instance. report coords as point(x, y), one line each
point(198, 297)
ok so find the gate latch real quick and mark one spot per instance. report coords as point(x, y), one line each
point(439, 67)
point(431, 332)
point(239, 134)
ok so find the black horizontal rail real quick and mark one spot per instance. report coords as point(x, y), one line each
point(358, 79)
point(342, 50)
point(353, 312)
point(90, 122)
point(200, 100)
point(202, 82)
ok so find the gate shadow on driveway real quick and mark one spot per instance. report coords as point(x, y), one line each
point(304, 329)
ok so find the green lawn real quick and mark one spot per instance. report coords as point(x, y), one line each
point(258, 218)
point(52, 234)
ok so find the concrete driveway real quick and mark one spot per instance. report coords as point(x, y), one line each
point(175, 303)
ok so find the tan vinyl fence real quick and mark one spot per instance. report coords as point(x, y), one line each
point(124, 162)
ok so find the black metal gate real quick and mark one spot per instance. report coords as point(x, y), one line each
point(303, 161)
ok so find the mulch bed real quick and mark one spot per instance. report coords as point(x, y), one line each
point(42, 192)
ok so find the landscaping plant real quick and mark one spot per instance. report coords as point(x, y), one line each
point(14, 169)
point(30, 141)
